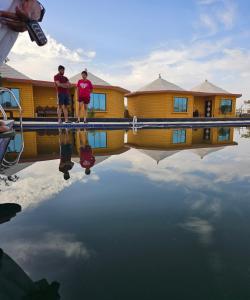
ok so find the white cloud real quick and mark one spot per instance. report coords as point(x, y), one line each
point(188, 65)
point(23, 250)
point(42, 63)
point(43, 181)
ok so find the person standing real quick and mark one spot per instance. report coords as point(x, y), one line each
point(84, 90)
point(62, 85)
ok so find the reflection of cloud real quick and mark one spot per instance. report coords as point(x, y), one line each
point(201, 227)
point(56, 243)
point(41, 182)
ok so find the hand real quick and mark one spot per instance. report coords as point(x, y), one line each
point(30, 10)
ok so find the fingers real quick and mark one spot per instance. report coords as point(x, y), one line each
point(23, 16)
point(8, 15)
point(16, 26)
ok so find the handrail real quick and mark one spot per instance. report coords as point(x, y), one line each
point(6, 163)
point(3, 113)
point(3, 89)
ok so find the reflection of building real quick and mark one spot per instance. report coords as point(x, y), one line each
point(163, 143)
point(38, 98)
point(45, 145)
point(162, 99)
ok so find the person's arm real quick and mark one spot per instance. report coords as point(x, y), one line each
point(29, 10)
point(91, 87)
point(62, 85)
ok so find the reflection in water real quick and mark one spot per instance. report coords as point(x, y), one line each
point(66, 151)
point(137, 230)
point(15, 284)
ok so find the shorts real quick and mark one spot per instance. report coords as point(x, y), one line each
point(85, 100)
point(63, 99)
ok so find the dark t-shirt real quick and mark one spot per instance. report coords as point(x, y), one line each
point(61, 79)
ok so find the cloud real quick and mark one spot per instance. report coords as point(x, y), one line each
point(189, 64)
point(41, 63)
point(201, 227)
point(59, 244)
point(215, 16)
point(43, 181)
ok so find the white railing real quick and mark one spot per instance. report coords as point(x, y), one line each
point(2, 90)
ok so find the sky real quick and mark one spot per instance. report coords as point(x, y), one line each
point(129, 43)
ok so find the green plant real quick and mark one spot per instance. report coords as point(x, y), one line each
point(91, 113)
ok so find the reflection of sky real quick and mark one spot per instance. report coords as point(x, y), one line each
point(184, 221)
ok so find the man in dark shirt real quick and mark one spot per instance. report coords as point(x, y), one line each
point(62, 86)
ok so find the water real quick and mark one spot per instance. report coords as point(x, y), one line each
point(163, 214)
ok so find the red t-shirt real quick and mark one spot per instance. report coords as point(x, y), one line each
point(61, 79)
point(87, 159)
point(85, 88)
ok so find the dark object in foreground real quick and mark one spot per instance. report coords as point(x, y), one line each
point(8, 211)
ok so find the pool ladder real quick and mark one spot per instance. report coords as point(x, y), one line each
point(5, 164)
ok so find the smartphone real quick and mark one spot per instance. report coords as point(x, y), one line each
point(36, 33)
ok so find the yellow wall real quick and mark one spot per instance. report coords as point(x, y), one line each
point(26, 98)
point(216, 107)
point(215, 136)
point(115, 142)
point(158, 105)
point(155, 138)
point(30, 145)
point(114, 104)
point(45, 96)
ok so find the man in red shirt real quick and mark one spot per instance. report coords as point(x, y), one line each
point(62, 86)
point(84, 90)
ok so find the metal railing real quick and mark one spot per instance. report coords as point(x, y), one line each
point(5, 163)
point(5, 90)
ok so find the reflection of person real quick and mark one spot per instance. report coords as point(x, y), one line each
point(87, 159)
point(84, 90)
point(65, 154)
point(3, 127)
point(13, 17)
point(62, 85)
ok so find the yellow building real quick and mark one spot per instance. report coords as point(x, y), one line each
point(162, 143)
point(163, 99)
point(39, 98)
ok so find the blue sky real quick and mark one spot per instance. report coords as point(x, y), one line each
point(130, 42)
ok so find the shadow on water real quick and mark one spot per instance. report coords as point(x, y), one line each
point(15, 284)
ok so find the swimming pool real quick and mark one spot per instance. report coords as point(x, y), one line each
point(164, 213)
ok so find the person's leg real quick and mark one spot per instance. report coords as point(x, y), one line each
point(4, 128)
point(85, 112)
point(65, 112)
point(59, 113)
point(80, 109)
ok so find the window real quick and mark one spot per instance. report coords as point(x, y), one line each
point(7, 100)
point(180, 104)
point(98, 102)
point(226, 105)
point(223, 134)
point(15, 145)
point(179, 136)
point(97, 139)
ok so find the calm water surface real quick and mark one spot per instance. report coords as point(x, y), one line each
point(164, 214)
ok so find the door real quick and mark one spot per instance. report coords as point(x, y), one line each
point(208, 109)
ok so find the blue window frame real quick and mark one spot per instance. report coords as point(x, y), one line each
point(98, 102)
point(180, 104)
point(15, 145)
point(226, 105)
point(224, 134)
point(97, 139)
point(7, 100)
point(179, 136)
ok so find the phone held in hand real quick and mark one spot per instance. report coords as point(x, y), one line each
point(36, 33)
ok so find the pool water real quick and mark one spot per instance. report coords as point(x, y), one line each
point(164, 213)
